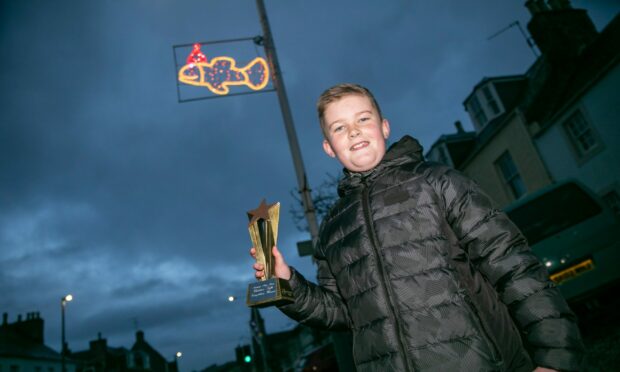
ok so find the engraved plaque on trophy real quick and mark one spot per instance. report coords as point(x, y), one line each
point(263, 227)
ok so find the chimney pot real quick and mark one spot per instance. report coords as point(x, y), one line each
point(459, 127)
point(19, 318)
point(5, 317)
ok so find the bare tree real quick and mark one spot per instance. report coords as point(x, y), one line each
point(323, 197)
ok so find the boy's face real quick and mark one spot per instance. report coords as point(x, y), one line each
point(354, 133)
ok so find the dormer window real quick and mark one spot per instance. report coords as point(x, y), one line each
point(488, 96)
point(484, 105)
point(477, 112)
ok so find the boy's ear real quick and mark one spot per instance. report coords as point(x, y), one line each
point(385, 128)
point(328, 149)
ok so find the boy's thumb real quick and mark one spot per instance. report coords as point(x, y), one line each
point(277, 254)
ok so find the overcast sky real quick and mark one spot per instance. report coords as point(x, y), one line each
point(112, 190)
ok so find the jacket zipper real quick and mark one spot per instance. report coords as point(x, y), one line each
point(387, 288)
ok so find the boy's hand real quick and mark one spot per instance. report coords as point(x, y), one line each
point(543, 369)
point(282, 270)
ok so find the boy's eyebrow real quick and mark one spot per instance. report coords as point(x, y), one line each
point(357, 114)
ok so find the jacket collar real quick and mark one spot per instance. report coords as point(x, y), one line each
point(406, 150)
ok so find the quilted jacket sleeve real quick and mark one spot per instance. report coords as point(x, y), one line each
point(318, 306)
point(500, 252)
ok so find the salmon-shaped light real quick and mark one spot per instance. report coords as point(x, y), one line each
point(221, 72)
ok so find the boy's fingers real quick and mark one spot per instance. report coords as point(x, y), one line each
point(253, 252)
point(258, 267)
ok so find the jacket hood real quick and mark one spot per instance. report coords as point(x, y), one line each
point(406, 150)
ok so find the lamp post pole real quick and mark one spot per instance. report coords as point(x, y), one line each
point(178, 356)
point(63, 343)
point(278, 83)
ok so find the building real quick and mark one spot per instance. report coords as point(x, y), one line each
point(141, 357)
point(22, 347)
point(286, 350)
point(577, 123)
point(555, 121)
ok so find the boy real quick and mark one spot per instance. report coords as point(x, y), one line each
point(414, 259)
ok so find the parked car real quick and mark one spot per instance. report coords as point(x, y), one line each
point(574, 234)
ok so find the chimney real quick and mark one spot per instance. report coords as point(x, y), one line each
point(459, 127)
point(560, 32)
point(31, 328)
point(139, 336)
point(5, 318)
point(100, 344)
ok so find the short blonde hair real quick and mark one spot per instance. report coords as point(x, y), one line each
point(339, 91)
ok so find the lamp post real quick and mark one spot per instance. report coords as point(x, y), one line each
point(178, 356)
point(63, 343)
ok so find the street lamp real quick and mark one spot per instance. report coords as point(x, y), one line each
point(178, 356)
point(63, 347)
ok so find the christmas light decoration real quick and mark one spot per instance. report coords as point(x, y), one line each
point(221, 72)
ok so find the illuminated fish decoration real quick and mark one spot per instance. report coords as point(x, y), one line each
point(221, 72)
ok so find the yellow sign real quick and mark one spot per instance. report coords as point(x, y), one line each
point(572, 271)
point(221, 72)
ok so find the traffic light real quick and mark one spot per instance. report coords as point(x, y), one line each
point(244, 354)
point(247, 354)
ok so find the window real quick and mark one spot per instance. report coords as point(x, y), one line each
point(488, 96)
point(581, 135)
point(140, 360)
point(510, 174)
point(477, 111)
point(484, 105)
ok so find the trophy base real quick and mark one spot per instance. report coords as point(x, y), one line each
point(270, 292)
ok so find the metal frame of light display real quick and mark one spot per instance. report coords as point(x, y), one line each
point(221, 74)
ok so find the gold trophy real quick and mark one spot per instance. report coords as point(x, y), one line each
point(263, 227)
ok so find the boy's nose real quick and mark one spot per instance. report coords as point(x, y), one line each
point(354, 132)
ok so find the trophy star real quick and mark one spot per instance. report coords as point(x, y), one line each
point(261, 212)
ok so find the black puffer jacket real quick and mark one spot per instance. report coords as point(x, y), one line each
point(429, 276)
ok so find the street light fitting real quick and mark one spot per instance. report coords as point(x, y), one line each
point(63, 343)
point(179, 354)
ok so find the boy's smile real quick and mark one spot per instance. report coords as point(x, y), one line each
point(355, 133)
